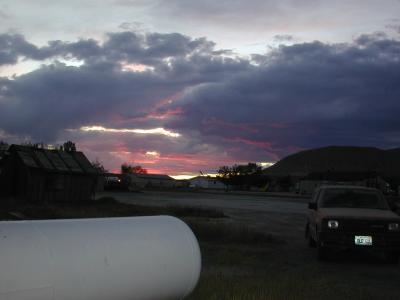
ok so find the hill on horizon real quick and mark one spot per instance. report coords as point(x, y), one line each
point(340, 159)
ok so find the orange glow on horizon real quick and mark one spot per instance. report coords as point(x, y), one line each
point(114, 153)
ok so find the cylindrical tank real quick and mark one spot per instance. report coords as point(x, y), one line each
point(98, 259)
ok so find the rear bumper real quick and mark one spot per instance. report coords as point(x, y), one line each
point(343, 241)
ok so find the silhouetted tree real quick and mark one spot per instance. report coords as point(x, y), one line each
point(224, 172)
point(99, 166)
point(69, 146)
point(240, 175)
point(239, 170)
point(130, 169)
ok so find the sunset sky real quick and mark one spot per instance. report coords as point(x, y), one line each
point(182, 86)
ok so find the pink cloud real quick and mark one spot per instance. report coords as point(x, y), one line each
point(165, 114)
point(158, 111)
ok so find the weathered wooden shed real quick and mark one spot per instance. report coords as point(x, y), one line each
point(41, 175)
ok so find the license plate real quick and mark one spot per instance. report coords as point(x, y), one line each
point(363, 240)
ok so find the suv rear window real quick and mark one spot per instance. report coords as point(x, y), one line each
point(352, 199)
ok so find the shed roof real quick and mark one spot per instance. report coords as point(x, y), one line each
point(83, 162)
point(56, 160)
point(44, 161)
point(69, 160)
point(53, 160)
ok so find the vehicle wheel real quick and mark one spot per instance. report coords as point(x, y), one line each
point(310, 241)
point(322, 252)
point(391, 257)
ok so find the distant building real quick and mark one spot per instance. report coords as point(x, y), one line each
point(40, 175)
point(112, 181)
point(316, 179)
point(206, 182)
point(138, 181)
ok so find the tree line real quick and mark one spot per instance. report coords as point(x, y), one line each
point(242, 176)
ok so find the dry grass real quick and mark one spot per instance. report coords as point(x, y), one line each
point(276, 286)
point(222, 233)
point(103, 207)
point(240, 262)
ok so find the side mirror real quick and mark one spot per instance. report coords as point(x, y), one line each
point(312, 205)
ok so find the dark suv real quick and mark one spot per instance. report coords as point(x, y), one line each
point(355, 218)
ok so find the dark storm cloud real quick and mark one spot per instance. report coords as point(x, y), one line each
point(57, 97)
point(305, 95)
point(298, 96)
point(12, 46)
point(152, 47)
point(15, 46)
point(122, 46)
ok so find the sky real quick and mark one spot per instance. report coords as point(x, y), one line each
point(180, 87)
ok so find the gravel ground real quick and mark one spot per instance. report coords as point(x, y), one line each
point(349, 275)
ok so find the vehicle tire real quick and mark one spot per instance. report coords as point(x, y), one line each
point(322, 252)
point(391, 257)
point(310, 241)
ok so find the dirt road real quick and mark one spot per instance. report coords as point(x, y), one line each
point(282, 216)
point(221, 201)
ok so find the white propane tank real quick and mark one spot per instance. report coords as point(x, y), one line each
point(98, 259)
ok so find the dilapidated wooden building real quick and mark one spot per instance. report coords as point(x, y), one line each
point(40, 175)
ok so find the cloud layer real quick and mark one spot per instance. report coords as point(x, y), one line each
point(225, 108)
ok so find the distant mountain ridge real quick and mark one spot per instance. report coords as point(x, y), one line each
point(340, 159)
